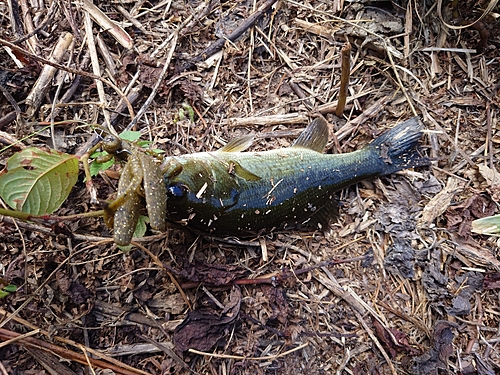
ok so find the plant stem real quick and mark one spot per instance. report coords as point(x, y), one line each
point(48, 219)
point(344, 78)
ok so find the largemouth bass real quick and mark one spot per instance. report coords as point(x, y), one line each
point(230, 192)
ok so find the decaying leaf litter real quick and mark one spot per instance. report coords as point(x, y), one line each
point(398, 285)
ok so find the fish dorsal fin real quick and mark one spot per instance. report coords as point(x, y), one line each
point(315, 136)
point(238, 144)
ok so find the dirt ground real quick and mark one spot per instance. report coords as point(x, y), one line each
point(398, 284)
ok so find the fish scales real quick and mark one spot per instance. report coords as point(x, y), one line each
point(228, 192)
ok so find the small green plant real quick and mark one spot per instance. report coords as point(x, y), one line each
point(6, 288)
point(104, 160)
point(181, 113)
point(38, 181)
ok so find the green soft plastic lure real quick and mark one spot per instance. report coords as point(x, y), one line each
point(229, 192)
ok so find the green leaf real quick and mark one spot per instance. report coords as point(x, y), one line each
point(38, 181)
point(140, 228)
point(7, 289)
point(95, 167)
point(180, 115)
point(10, 288)
point(97, 154)
point(143, 143)
point(140, 231)
point(130, 135)
point(190, 111)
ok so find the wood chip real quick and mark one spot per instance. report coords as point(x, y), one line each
point(440, 202)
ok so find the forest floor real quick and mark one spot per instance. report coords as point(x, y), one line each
point(398, 284)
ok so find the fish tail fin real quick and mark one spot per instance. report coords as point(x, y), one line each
point(397, 148)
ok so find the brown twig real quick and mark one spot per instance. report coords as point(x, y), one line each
point(300, 93)
point(376, 341)
point(72, 89)
point(280, 276)
point(158, 83)
point(94, 62)
point(40, 88)
point(14, 47)
point(15, 19)
point(242, 358)
point(158, 262)
point(48, 18)
point(289, 118)
point(28, 24)
point(50, 361)
point(116, 31)
point(237, 32)
point(165, 349)
point(9, 117)
point(344, 78)
point(66, 353)
point(11, 100)
point(489, 135)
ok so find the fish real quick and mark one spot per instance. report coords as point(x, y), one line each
point(233, 192)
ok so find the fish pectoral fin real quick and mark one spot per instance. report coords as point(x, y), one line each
point(326, 215)
point(239, 171)
point(315, 136)
point(323, 216)
point(238, 144)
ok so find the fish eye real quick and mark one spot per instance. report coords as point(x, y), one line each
point(176, 191)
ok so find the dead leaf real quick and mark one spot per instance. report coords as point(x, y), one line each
point(443, 338)
point(63, 282)
point(213, 274)
point(470, 283)
point(400, 259)
point(191, 91)
point(492, 280)
point(440, 202)
point(79, 294)
point(492, 178)
point(202, 329)
point(429, 186)
point(474, 254)
point(460, 217)
point(394, 340)
point(437, 356)
point(434, 282)
point(397, 219)
point(278, 303)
